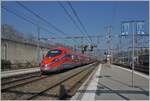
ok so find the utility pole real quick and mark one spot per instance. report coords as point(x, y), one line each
point(134, 41)
point(109, 43)
point(133, 57)
point(82, 49)
point(38, 43)
point(120, 49)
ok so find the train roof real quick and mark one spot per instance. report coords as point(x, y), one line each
point(69, 51)
point(62, 48)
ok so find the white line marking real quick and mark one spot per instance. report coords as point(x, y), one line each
point(138, 73)
point(91, 89)
point(76, 96)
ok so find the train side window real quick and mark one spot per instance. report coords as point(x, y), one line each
point(68, 55)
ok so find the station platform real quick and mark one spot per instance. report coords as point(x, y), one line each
point(10, 73)
point(111, 82)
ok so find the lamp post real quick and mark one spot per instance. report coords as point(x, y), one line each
point(133, 57)
point(132, 22)
point(133, 33)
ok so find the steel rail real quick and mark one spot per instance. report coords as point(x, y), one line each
point(23, 83)
point(57, 84)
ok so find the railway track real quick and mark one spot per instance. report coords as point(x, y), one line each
point(9, 80)
point(20, 82)
point(49, 87)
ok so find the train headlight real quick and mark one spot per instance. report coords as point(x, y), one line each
point(45, 68)
point(46, 65)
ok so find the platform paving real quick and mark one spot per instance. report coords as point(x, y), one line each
point(111, 82)
point(10, 73)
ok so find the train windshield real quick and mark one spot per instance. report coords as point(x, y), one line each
point(53, 53)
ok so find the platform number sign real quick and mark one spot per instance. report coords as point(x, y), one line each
point(125, 28)
point(140, 28)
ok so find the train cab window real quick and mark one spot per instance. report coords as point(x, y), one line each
point(53, 53)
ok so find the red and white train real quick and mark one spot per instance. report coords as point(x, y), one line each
point(60, 58)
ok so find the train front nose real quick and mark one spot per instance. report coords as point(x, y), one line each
point(48, 69)
point(44, 67)
point(45, 64)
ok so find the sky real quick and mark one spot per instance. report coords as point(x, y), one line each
point(94, 15)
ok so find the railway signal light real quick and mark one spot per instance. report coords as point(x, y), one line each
point(85, 47)
point(92, 47)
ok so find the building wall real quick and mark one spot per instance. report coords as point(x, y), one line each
point(18, 52)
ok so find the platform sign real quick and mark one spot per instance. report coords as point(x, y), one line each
point(140, 28)
point(125, 28)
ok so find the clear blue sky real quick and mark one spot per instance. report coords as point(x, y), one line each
point(94, 15)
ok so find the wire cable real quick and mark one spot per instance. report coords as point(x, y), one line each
point(25, 19)
point(77, 17)
point(71, 18)
point(38, 16)
point(43, 19)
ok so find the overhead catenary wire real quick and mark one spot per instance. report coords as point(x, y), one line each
point(38, 16)
point(71, 18)
point(25, 19)
point(43, 19)
point(77, 17)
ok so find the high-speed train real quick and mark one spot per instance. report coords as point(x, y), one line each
point(61, 58)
